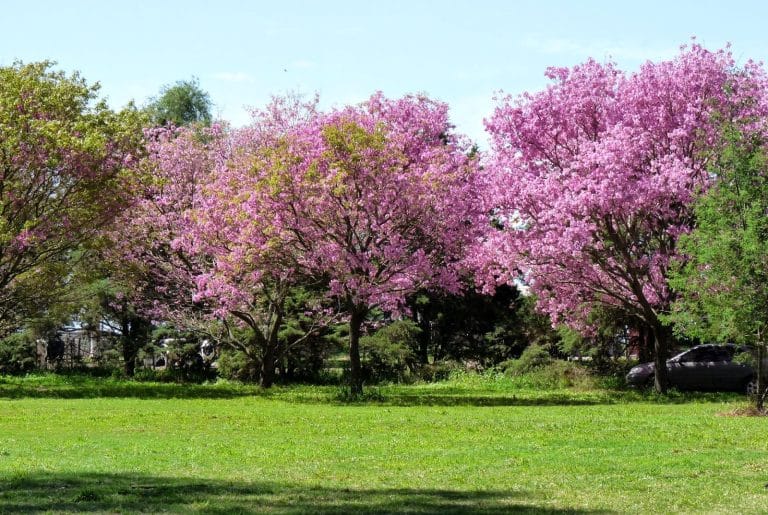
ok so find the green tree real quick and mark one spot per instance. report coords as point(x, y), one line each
point(182, 103)
point(723, 284)
point(63, 162)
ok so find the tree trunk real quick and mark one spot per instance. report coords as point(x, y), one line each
point(268, 364)
point(661, 337)
point(355, 367)
point(423, 338)
point(760, 397)
point(130, 349)
point(129, 357)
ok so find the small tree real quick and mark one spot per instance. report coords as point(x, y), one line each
point(723, 284)
point(183, 103)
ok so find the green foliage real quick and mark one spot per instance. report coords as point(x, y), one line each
point(182, 352)
point(183, 103)
point(306, 342)
point(487, 329)
point(235, 365)
point(533, 357)
point(18, 353)
point(390, 352)
point(723, 283)
point(440, 370)
point(63, 156)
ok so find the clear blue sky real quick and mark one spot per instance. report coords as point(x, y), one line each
point(457, 51)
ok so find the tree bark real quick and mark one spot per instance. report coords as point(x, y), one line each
point(760, 397)
point(267, 373)
point(423, 337)
point(355, 367)
point(130, 348)
point(271, 353)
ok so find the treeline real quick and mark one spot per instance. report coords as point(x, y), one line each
point(629, 206)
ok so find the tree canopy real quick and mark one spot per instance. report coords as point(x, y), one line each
point(593, 179)
point(182, 103)
point(63, 157)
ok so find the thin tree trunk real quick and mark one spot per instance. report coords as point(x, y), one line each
point(129, 348)
point(760, 397)
point(355, 367)
point(423, 337)
point(645, 344)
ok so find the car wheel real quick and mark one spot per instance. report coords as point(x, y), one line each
point(751, 387)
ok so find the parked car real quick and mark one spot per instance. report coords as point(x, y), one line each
point(704, 367)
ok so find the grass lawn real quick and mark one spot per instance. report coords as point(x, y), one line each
point(475, 445)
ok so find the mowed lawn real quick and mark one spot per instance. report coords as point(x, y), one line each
point(465, 447)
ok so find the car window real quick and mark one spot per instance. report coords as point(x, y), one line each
point(705, 355)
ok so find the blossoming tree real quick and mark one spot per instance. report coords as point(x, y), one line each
point(375, 199)
point(592, 180)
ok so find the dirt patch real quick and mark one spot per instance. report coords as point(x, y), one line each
point(746, 411)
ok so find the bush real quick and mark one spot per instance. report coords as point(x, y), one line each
point(389, 352)
point(440, 370)
point(18, 354)
point(532, 358)
point(560, 374)
point(236, 366)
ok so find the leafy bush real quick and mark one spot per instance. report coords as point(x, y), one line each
point(235, 365)
point(389, 353)
point(18, 354)
point(560, 374)
point(533, 357)
point(440, 370)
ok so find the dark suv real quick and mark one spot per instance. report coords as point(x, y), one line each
point(704, 367)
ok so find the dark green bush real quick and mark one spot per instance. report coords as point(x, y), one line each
point(560, 374)
point(18, 354)
point(440, 370)
point(533, 357)
point(389, 353)
point(235, 365)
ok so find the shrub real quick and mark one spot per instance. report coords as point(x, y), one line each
point(440, 370)
point(533, 357)
point(235, 365)
point(389, 352)
point(18, 354)
point(560, 374)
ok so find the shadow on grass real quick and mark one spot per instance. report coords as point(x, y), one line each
point(97, 493)
point(106, 388)
point(545, 398)
point(84, 387)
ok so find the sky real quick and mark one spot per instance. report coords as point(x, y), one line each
point(461, 52)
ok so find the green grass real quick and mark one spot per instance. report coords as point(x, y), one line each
point(470, 445)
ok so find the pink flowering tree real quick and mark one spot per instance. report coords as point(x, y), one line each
point(592, 181)
point(375, 199)
point(192, 252)
point(374, 202)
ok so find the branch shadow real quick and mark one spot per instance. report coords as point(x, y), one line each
point(91, 389)
point(83, 387)
point(97, 493)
